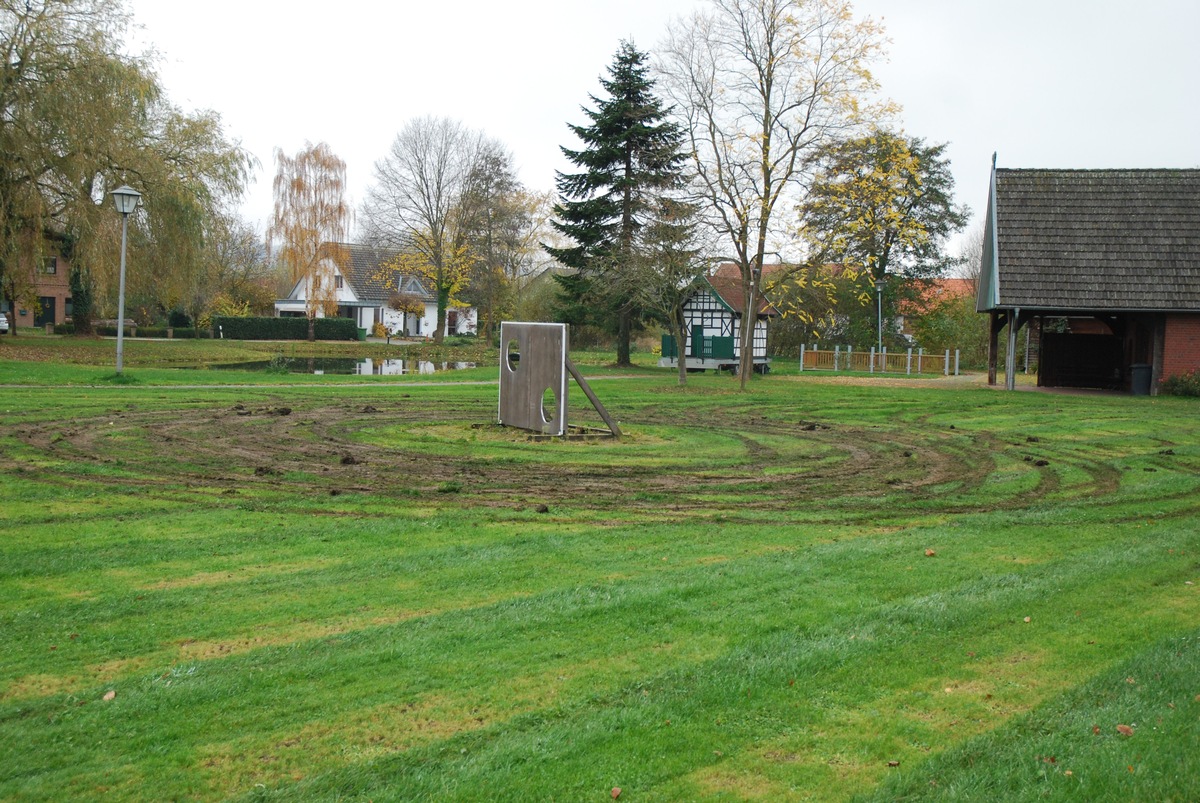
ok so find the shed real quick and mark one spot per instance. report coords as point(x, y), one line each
point(1106, 264)
point(712, 317)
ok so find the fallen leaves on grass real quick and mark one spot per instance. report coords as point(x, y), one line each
point(1124, 730)
point(109, 695)
point(929, 553)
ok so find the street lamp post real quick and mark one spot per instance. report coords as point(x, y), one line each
point(125, 198)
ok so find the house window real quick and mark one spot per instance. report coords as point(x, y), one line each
point(337, 282)
point(50, 265)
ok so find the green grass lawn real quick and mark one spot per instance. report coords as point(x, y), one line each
point(255, 586)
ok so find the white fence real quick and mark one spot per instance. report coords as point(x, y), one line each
point(911, 361)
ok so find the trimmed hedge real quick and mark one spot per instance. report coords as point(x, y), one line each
point(140, 331)
point(261, 328)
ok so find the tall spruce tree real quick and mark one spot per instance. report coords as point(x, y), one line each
point(630, 155)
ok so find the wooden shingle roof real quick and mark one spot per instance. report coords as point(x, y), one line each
point(1093, 240)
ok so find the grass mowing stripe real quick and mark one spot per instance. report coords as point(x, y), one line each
point(1071, 746)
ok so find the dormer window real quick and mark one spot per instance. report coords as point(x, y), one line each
point(337, 282)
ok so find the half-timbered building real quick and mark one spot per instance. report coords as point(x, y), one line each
point(713, 321)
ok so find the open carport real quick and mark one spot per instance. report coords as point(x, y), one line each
point(1104, 265)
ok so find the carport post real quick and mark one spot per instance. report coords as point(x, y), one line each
point(1010, 359)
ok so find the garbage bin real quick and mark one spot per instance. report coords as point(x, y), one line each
point(362, 334)
point(1139, 379)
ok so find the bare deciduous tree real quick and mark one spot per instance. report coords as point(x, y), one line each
point(420, 204)
point(668, 268)
point(760, 83)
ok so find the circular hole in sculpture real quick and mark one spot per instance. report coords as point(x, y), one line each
point(512, 355)
point(549, 405)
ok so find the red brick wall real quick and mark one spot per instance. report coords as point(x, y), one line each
point(55, 285)
point(1181, 345)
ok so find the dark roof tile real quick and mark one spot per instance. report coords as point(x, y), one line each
point(1098, 239)
point(365, 267)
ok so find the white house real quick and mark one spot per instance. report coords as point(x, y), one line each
point(364, 288)
point(713, 320)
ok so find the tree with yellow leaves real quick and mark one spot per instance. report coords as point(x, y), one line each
point(310, 223)
point(446, 273)
point(880, 208)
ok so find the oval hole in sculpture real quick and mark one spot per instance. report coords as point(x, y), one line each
point(512, 355)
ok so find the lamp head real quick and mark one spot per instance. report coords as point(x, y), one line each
point(125, 198)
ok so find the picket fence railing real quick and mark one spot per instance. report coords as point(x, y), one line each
point(910, 361)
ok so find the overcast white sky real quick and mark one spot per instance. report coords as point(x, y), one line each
point(1045, 83)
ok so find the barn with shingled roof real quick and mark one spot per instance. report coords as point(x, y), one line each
point(1104, 265)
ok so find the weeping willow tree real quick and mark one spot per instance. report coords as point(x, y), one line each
point(310, 224)
point(78, 117)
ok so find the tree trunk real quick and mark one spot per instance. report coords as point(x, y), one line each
point(679, 332)
point(624, 325)
point(12, 314)
point(312, 328)
point(443, 301)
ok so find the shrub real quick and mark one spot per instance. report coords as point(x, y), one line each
point(64, 328)
point(1185, 384)
point(379, 330)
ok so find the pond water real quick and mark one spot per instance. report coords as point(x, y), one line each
point(344, 365)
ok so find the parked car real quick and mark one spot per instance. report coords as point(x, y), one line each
point(3, 323)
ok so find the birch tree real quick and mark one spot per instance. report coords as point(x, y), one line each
point(310, 223)
point(760, 83)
